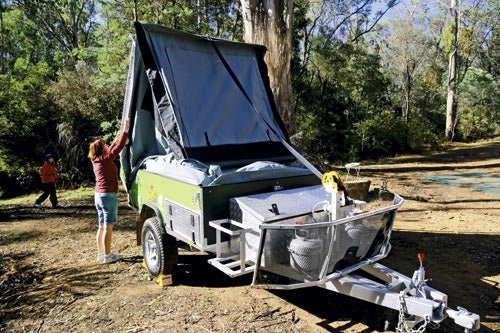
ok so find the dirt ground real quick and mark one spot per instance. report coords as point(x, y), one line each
point(50, 280)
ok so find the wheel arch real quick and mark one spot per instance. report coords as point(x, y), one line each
point(148, 209)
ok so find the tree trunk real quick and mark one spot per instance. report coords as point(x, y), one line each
point(269, 22)
point(451, 105)
point(135, 11)
point(407, 87)
point(406, 105)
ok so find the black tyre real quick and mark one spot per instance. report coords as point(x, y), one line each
point(158, 248)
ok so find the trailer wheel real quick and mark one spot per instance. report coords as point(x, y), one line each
point(159, 249)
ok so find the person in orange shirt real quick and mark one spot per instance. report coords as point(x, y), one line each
point(49, 175)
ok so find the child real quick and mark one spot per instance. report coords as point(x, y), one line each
point(49, 176)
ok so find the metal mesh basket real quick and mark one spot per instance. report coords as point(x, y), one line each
point(315, 252)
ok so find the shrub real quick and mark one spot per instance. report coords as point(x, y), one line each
point(17, 181)
point(421, 132)
point(382, 135)
point(479, 114)
point(87, 110)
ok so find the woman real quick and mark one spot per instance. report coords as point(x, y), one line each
point(49, 175)
point(106, 189)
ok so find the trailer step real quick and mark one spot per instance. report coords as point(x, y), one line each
point(231, 264)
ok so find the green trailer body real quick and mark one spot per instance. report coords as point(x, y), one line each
point(200, 204)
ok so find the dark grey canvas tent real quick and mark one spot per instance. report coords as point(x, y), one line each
point(199, 98)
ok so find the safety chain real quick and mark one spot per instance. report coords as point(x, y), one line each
point(434, 326)
point(403, 326)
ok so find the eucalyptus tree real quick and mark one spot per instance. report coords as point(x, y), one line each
point(404, 52)
point(338, 80)
point(21, 43)
point(470, 29)
point(451, 106)
point(27, 66)
point(70, 23)
point(270, 22)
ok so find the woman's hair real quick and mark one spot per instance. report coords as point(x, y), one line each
point(96, 148)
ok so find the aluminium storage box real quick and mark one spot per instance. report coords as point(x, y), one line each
point(285, 206)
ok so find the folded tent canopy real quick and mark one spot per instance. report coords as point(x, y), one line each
point(201, 98)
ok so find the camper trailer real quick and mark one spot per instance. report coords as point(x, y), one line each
point(209, 163)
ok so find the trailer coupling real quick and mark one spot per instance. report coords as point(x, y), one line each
point(464, 318)
point(418, 304)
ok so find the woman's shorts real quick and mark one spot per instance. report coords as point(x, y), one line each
point(107, 207)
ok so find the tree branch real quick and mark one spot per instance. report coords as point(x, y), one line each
point(307, 34)
point(470, 59)
point(348, 16)
point(389, 6)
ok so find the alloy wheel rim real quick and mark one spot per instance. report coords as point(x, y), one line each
point(151, 250)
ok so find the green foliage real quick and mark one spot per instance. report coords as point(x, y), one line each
point(69, 24)
point(324, 128)
point(18, 181)
point(209, 17)
point(447, 39)
point(26, 115)
point(465, 42)
point(479, 111)
point(427, 119)
point(381, 135)
point(114, 42)
point(356, 73)
point(20, 36)
point(83, 106)
point(345, 86)
point(109, 129)
point(422, 133)
point(63, 70)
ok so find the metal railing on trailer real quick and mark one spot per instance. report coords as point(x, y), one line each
point(418, 304)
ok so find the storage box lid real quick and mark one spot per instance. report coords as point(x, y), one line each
point(290, 203)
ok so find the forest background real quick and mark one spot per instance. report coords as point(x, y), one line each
point(369, 78)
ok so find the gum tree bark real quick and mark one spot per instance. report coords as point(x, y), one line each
point(269, 22)
point(451, 105)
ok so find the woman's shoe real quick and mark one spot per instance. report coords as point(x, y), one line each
point(111, 258)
